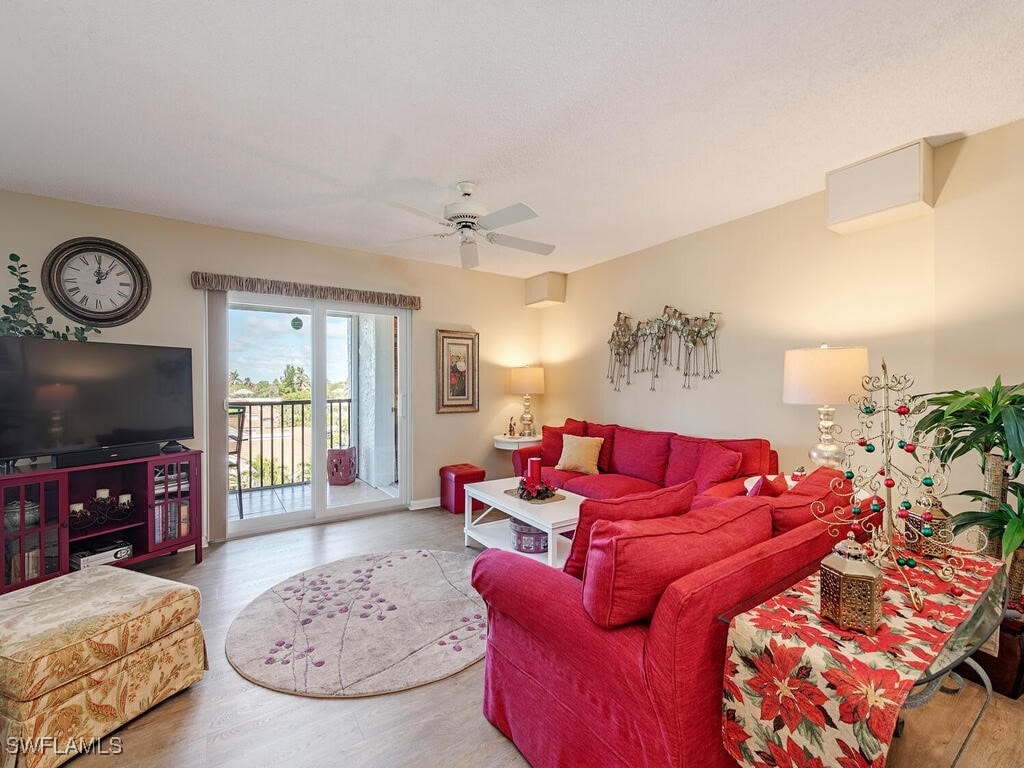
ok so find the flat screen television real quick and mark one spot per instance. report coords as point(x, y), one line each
point(59, 398)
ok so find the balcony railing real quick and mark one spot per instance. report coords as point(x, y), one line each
point(277, 439)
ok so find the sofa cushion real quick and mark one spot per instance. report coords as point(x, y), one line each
point(769, 486)
point(717, 464)
point(608, 486)
point(640, 453)
point(631, 562)
point(826, 487)
point(607, 431)
point(551, 440)
point(735, 487)
point(579, 454)
point(557, 478)
point(660, 502)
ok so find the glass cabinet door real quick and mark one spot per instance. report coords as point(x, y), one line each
point(32, 533)
point(171, 516)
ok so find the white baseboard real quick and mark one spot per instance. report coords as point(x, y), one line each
point(425, 503)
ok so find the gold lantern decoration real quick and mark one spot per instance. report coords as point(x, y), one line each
point(851, 588)
point(929, 521)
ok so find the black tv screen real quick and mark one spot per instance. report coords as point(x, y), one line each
point(59, 397)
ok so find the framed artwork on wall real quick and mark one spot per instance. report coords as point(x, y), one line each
point(458, 371)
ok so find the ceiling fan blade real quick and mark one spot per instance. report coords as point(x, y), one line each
point(419, 212)
point(470, 254)
point(418, 237)
point(513, 214)
point(544, 249)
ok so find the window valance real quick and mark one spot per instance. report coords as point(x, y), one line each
point(210, 281)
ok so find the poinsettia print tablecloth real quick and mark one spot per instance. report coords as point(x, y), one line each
point(801, 692)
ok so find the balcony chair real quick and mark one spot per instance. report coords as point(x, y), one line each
point(236, 423)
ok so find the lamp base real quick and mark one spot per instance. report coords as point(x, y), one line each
point(527, 419)
point(827, 455)
point(827, 452)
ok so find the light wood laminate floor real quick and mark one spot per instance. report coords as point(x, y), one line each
point(224, 721)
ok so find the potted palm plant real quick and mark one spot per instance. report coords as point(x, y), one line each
point(1004, 520)
point(988, 421)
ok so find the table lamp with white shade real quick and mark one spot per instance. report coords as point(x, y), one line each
point(822, 376)
point(526, 381)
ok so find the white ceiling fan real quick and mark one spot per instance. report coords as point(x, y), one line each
point(469, 219)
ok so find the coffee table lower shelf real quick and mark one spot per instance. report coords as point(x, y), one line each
point(497, 534)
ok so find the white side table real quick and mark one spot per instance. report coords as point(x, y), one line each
point(506, 443)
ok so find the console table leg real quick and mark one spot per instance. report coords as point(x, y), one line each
point(988, 697)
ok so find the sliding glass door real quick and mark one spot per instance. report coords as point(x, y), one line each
point(316, 428)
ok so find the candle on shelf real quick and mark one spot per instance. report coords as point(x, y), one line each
point(102, 493)
point(124, 498)
point(533, 469)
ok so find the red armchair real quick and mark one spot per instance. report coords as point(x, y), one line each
point(570, 693)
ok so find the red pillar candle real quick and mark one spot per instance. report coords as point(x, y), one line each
point(533, 470)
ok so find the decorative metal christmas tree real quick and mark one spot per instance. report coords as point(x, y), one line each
point(901, 534)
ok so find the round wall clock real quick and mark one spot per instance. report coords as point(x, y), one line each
point(96, 281)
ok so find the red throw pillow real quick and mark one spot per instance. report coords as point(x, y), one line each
point(683, 459)
point(550, 445)
point(575, 427)
point(766, 486)
point(632, 562)
point(607, 431)
point(674, 500)
point(717, 464)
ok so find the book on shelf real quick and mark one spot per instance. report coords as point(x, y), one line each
point(171, 521)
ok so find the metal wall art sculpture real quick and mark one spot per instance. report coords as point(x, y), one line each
point(689, 342)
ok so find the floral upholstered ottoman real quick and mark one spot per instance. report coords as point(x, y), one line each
point(82, 654)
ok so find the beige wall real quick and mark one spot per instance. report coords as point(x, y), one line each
point(452, 298)
point(938, 297)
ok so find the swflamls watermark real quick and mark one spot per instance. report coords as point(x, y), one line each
point(54, 745)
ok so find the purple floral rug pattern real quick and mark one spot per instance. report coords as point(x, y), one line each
point(363, 625)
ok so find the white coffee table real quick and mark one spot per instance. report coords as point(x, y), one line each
point(554, 518)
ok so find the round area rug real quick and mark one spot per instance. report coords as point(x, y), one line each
point(363, 625)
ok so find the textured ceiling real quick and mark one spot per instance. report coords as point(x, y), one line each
point(623, 124)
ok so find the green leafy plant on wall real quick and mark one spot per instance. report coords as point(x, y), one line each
point(19, 312)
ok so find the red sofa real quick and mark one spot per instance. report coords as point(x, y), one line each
point(625, 667)
point(637, 460)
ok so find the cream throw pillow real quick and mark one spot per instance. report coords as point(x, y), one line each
point(579, 454)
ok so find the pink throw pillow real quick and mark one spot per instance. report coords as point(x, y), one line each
point(674, 500)
point(766, 486)
point(632, 562)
